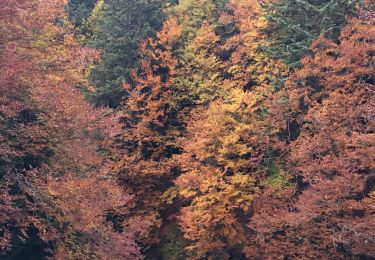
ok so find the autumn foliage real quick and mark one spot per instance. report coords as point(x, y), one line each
point(243, 133)
point(55, 188)
point(329, 214)
point(149, 128)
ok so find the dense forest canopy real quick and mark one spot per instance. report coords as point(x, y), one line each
point(187, 129)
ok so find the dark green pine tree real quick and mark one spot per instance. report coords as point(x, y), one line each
point(294, 24)
point(116, 27)
point(79, 10)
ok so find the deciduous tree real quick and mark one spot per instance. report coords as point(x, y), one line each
point(49, 144)
point(329, 214)
point(150, 128)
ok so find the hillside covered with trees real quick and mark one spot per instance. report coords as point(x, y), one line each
point(187, 129)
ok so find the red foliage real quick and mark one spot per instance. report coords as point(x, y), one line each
point(52, 176)
point(211, 116)
point(330, 214)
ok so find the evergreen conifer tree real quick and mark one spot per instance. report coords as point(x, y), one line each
point(295, 24)
point(79, 10)
point(117, 27)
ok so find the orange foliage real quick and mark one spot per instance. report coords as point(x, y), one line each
point(150, 128)
point(211, 116)
point(330, 213)
point(227, 143)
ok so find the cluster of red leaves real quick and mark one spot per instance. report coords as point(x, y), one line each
point(330, 213)
point(52, 176)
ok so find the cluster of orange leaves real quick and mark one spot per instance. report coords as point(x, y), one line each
point(329, 214)
point(245, 123)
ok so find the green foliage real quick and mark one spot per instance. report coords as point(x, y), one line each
point(199, 79)
point(117, 27)
point(170, 195)
point(295, 24)
point(193, 13)
point(172, 244)
point(277, 177)
point(79, 10)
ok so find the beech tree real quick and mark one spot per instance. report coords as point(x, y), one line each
point(193, 14)
point(49, 142)
point(330, 98)
point(227, 143)
point(243, 129)
point(150, 128)
point(199, 74)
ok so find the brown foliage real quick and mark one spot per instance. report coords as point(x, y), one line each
point(330, 214)
point(148, 138)
point(52, 177)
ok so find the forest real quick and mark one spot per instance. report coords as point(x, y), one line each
point(187, 129)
